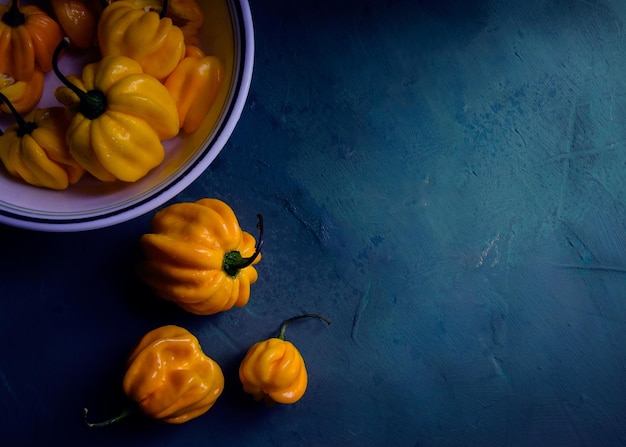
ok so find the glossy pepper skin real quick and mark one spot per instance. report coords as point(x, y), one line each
point(126, 29)
point(117, 129)
point(79, 20)
point(28, 37)
point(170, 377)
point(194, 85)
point(186, 14)
point(35, 150)
point(273, 370)
point(24, 95)
point(199, 257)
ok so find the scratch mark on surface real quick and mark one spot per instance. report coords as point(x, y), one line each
point(251, 312)
point(521, 137)
point(363, 302)
point(319, 232)
point(565, 168)
point(612, 104)
point(495, 361)
point(497, 366)
point(580, 153)
point(590, 264)
point(609, 192)
point(590, 267)
point(584, 253)
point(498, 328)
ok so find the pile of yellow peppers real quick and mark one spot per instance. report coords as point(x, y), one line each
point(151, 82)
point(198, 257)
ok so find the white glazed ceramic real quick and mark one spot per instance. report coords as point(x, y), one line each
point(91, 204)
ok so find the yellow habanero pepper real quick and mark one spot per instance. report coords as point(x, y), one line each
point(199, 257)
point(170, 377)
point(28, 37)
point(194, 85)
point(274, 369)
point(186, 14)
point(120, 115)
point(34, 149)
point(24, 95)
point(125, 29)
point(79, 20)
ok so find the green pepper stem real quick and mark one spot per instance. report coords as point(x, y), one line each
point(233, 261)
point(23, 127)
point(104, 423)
point(92, 103)
point(14, 17)
point(283, 328)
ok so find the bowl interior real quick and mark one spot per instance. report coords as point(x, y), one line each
point(227, 34)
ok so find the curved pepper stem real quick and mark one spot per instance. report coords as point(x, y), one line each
point(163, 9)
point(105, 3)
point(92, 103)
point(14, 17)
point(23, 127)
point(283, 328)
point(233, 261)
point(104, 423)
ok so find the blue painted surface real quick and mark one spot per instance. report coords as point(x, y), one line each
point(443, 179)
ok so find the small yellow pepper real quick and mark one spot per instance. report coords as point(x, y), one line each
point(34, 149)
point(79, 20)
point(150, 38)
point(274, 370)
point(194, 85)
point(199, 257)
point(28, 37)
point(24, 95)
point(186, 14)
point(170, 377)
point(120, 116)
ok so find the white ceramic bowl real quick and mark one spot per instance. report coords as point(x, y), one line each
point(91, 204)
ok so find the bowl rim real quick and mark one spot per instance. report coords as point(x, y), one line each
point(142, 204)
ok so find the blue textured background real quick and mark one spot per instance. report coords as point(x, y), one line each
point(444, 179)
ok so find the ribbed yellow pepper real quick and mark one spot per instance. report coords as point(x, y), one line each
point(186, 14)
point(194, 85)
point(170, 377)
point(120, 115)
point(24, 95)
point(150, 38)
point(274, 370)
point(35, 150)
point(199, 257)
point(28, 37)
